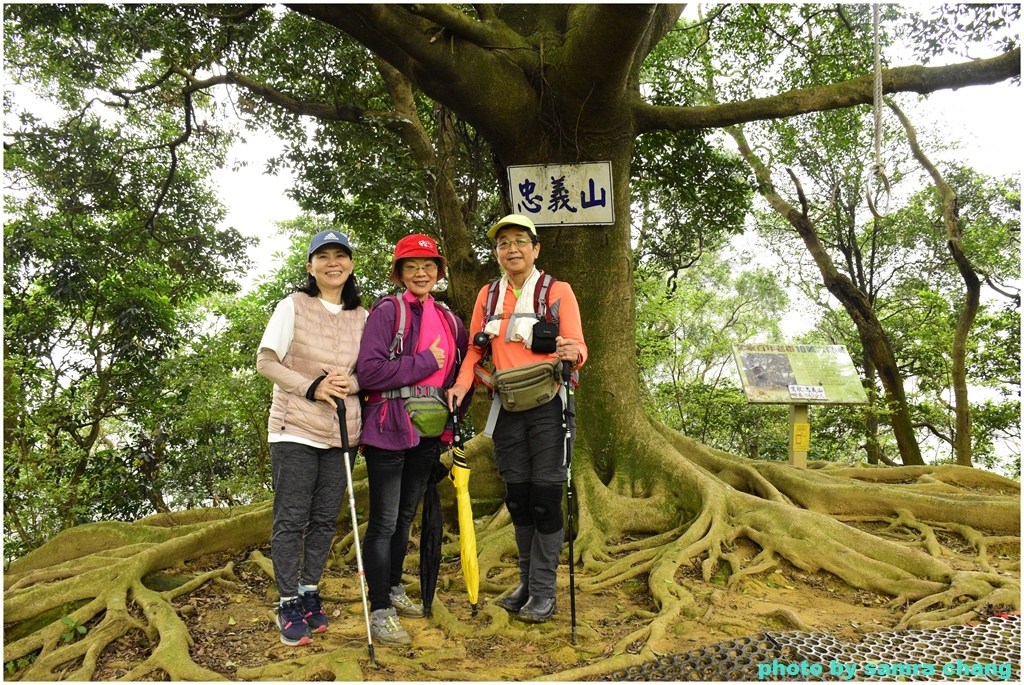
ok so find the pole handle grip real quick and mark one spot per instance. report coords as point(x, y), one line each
point(343, 423)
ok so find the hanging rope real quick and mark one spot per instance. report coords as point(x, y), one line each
point(876, 184)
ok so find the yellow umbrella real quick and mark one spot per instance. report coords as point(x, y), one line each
point(459, 475)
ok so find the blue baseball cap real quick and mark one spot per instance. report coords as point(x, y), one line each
point(331, 237)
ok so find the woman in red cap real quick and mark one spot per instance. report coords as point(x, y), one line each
point(409, 355)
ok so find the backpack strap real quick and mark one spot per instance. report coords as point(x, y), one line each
point(407, 391)
point(541, 295)
point(404, 393)
point(453, 327)
point(541, 299)
point(402, 324)
point(491, 306)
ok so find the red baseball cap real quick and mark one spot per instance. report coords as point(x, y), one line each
point(416, 245)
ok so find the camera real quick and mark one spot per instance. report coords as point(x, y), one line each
point(481, 339)
point(544, 334)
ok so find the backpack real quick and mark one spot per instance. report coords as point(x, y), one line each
point(483, 372)
point(541, 300)
point(403, 322)
point(425, 405)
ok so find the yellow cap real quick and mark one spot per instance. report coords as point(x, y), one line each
point(512, 220)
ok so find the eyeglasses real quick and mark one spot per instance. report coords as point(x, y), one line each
point(520, 243)
point(410, 269)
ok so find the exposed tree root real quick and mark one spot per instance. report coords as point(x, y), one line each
point(106, 590)
point(340, 665)
point(944, 473)
point(692, 508)
point(790, 617)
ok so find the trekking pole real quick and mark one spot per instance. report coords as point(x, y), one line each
point(568, 414)
point(355, 523)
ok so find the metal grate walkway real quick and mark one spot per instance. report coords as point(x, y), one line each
point(987, 651)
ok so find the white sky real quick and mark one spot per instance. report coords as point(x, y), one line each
point(255, 200)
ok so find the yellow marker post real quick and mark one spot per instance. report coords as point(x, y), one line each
point(799, 435)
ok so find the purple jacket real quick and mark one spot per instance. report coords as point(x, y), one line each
point(386, 425)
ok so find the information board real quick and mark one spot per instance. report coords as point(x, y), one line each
point(798, 374)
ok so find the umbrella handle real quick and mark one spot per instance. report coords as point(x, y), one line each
point(456, 431)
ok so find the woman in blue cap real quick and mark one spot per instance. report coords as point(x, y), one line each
point(309, 351)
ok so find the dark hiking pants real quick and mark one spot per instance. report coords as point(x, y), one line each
point(309, 483)
point(397, 479)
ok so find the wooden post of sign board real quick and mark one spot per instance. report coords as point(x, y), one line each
point(799, 435)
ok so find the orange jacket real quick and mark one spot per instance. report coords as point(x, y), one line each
point(506, 355)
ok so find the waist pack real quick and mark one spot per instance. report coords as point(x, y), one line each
point(429, 415)
point(527, 387)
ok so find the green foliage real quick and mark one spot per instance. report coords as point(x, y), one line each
point(209, 445)
point(685, 332)
point(15, 665)
point(73, 632)
point(361, 173)
point(109, 237)
point(959, 28)
point(900, 263)
point(787, 46)
point(903, 266)
point(689, 196)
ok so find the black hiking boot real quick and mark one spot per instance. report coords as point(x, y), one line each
point(515, 600)
point(537, 610)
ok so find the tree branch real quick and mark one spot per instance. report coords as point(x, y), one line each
point(465, 76)
point(485, 12)
point(1015, 296)
point(319, 110)
point(390, 31)
point(972, 294)
point(235, 18)
point(934, 431)
point(859, 91)
point(447, 17)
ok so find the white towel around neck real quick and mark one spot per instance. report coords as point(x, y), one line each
point(522, 326)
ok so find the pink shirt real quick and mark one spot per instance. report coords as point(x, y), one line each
point(432, 326)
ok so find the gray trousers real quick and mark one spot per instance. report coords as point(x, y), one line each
point(309, 484)
point(529, 449)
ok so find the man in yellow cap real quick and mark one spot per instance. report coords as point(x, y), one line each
point(528, 443)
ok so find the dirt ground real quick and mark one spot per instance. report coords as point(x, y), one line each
point(235, 634)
